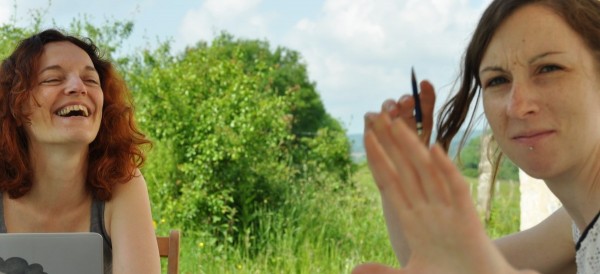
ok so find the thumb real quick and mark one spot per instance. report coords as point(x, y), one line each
point(427, 105)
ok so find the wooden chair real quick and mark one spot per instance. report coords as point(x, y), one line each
point(169, 247)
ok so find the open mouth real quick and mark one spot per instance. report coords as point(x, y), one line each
point(74, 110)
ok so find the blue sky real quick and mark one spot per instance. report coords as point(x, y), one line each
point(359, 52)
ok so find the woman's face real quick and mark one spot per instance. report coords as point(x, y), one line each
point(541, 93)
point(66, 105)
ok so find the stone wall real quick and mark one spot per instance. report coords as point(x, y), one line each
point(537, 202)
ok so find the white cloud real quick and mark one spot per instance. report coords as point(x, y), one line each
point(229, 9)
point(6, 6)
point(360, 51)
point(235, 16)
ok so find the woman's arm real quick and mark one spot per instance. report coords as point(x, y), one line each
point(547, 247)
point(129, 224)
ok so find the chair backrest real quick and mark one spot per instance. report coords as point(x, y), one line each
point(169, 247)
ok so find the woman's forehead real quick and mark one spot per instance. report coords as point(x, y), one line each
point(528, 32)
point(63, 53)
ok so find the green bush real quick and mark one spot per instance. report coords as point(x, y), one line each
point(225, 146)
point(469, 162)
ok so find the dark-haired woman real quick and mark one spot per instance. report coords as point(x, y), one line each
point(535, 66)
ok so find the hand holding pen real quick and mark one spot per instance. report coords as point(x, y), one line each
point(405, 109)
point(426, 201)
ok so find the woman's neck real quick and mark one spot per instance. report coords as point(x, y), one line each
point(59, 175)
point(579, 190)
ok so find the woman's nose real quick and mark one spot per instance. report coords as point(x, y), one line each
point(522, 101)
point(75, 86)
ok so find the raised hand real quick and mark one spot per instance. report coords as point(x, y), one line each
point(431, 202)
point(404, 109)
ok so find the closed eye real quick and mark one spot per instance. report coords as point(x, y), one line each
point(50, 80)
point(92, 81)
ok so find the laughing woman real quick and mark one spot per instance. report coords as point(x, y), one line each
point(70, 151)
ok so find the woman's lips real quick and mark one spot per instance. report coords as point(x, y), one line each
point(533, 138)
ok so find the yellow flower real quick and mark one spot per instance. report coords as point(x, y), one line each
point(201, 244)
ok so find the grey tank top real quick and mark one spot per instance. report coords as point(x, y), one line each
point(96, 225)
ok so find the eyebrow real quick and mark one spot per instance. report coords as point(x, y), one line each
point(57, 67)
point(540, 56)
point(531, 61)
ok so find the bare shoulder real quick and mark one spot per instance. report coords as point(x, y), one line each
point(133, 188)
point(129, 223)
point(132, 193)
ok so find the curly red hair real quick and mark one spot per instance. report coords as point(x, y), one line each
point(113, 156)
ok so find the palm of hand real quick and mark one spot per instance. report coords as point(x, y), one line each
point(432, 203)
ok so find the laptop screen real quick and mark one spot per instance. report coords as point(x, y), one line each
point(66, 253)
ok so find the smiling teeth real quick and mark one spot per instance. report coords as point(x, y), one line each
point(66, 110)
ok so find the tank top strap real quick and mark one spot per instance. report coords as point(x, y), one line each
point(2, 224)
point(97, 225)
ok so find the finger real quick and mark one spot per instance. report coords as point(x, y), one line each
point(368, 121)
point(407, 180)
point(383, 171)
point(426, 172)
point(400, 158)
point(390, 107)
point(457, 188)
point(372, 268)
point(407, 105)
point(439, 156)
point(427, 97)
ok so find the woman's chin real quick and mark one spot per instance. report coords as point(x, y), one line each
point(539, 171)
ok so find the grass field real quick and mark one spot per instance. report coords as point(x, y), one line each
point(324, 235)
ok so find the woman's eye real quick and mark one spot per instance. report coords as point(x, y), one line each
point(496, 81)
point(51, 80)
point(549, 68)
point(92, 81)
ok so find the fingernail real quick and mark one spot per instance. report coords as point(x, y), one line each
point(404, 98)
point(368, 117)
point(390, 107)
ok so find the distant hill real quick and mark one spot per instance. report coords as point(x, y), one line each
point(358, 149)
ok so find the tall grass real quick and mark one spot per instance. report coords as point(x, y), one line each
point(321, 232)
point(505, 217)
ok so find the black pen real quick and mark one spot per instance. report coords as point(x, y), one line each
point(418, 114)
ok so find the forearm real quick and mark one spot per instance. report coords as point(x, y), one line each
point(548, 247)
